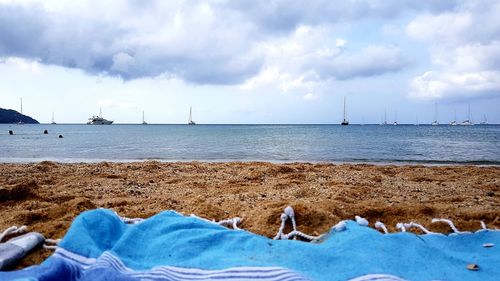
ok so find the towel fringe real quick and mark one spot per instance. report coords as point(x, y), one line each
point(288, 213)
point(13, 230)
point(452, 226)
point(230, 222)
point(51, 244)
point(381, 226)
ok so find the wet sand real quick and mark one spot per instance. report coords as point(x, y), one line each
point(47, 196)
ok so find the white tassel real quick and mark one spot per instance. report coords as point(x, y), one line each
point(401, 226)
point(13, 230)
point(340, 226)
point(129, 220)
point(51, 244)
point(290, 214)
point(419, 226)
point(452, 226)
point(230, 222)
point(483, 225)
point(361, 221)
point(283, 219)
point(380, 225)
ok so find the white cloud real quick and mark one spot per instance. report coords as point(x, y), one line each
point(310, 97)
point(464, 48)
point(201, 42)
point(121, 105)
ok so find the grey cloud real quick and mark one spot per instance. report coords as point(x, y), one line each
point(371, 61)
point(103, 46)
point(216, 43)
point(285, 15)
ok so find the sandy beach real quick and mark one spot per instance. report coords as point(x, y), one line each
point(47, 196)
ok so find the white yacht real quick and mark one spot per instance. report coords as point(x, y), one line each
point(143, 121)
point(190, 121)
point(98, 120)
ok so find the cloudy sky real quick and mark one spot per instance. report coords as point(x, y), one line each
point(269, 61)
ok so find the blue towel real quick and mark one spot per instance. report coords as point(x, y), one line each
point(169, 246)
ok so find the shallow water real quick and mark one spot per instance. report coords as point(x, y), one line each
point(425, 144)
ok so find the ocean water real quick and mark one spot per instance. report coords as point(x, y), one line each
point(479, 144)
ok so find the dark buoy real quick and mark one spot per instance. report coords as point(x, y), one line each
point(11, 132)
point(60, 136)
point(45, 132)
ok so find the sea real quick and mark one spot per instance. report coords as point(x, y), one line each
point(389, 144)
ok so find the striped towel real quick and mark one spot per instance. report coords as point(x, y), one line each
point(169, 246)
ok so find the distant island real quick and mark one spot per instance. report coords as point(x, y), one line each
point(9, 116)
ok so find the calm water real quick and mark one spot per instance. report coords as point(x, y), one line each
point(277, 143)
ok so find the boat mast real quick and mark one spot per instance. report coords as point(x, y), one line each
point(190, 114)
point(100, 112)
point(21, 105)
point(385, 116)
point(344, 108)
point(53, 117)
point(143, 116)
point(436, 112)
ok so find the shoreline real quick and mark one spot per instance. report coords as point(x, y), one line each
point(46, 196)
point(425, 163)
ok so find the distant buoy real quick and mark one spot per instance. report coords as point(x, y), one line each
point(11, 132)
point(60, 136)
point(45, 132)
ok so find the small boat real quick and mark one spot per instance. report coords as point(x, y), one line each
point(485, 121)
point(395, 119)
point(385, 118)
point(467, 122)
point(344, 122)
point(435, 122)
point(190, 121)
point(143, 122)
point(454, 122)
point(98, 120)
point(21, 121)
point(53, 121)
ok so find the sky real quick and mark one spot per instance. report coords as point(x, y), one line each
point(262, 61)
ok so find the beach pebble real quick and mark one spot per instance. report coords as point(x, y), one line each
point(488, 245)
point(473, 267)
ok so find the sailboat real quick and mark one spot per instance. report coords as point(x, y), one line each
point(190, 121)
point(53, 121)
point(485, 121)
point(395, 118)
point(344, 122)
point(467, 122)
point(435, 122)
point(21, 121)
point(385, 118)
point(454, 122)
point(143, 122)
